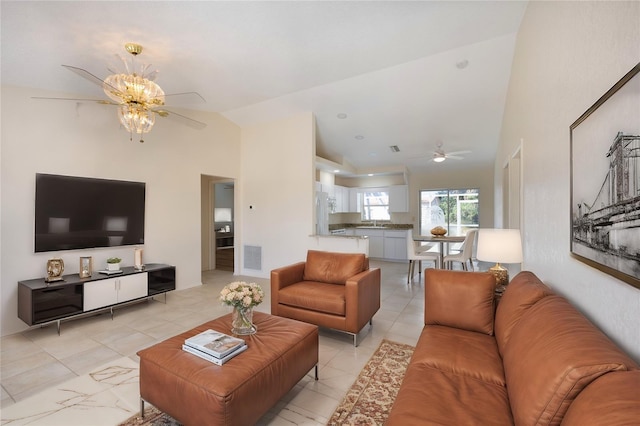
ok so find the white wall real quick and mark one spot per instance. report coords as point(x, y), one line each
point(568, 54)
point(62, 137)
point(275, 195)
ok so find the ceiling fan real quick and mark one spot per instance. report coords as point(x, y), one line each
point(439, 155)
point(138, 98)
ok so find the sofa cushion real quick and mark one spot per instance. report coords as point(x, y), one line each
point(460, 352)
point(459, 299)
point(430, 396)
point(552, 354)
point(523, 292)
point(611, 400)
point(315, 296)
point(335, 268)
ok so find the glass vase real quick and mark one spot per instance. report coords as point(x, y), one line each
point(242, 321)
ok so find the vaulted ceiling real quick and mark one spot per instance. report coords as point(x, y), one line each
point(375, 74)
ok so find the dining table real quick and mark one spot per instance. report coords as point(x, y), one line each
point(441, 240)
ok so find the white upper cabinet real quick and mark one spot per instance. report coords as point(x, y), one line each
point(399, 199)
point(354, 200)
point(341, 195)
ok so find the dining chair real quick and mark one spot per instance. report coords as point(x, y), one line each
point(415, 254)
point(465, 254)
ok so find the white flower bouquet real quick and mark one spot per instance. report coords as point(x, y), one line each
point(242, 295)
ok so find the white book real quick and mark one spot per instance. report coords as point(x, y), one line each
point(108, 272)
point(214, 343)
point(213, 359)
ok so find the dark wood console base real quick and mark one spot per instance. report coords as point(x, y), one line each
point(41, 303)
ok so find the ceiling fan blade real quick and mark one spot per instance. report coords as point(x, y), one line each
point(98, 101)
point(187, 97)
point(181, 118)
point(90, 77)
point(454, 157)
point(459, 152)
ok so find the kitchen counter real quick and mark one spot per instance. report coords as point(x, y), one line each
point(390, 226)
point(359, 237)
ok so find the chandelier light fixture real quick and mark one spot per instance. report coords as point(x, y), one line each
point(136, 93)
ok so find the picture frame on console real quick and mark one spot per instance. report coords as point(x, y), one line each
point(86, 266)
point(605, 182)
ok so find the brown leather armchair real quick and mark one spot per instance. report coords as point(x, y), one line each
point(333, 290)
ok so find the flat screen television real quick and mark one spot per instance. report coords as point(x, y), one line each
point(79, 212)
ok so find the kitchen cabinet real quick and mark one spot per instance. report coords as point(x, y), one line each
point(355, 205)
point(376, 241)
point(395, 245)
point(338, 195)
point(399, 198)
point(329, 189)
point(326, 187)
point(98, 294)
point(387, 244)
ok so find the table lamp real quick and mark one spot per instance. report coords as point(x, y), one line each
point(500, 246)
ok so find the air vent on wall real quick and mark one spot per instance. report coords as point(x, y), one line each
point(253, 257)
point(394, 148)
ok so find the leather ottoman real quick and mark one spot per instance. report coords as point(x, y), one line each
point(197, 392)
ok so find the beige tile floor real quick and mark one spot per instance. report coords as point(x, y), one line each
point(40, 359)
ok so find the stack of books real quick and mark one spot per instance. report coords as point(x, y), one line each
point(214, 346)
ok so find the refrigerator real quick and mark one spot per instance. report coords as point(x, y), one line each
point(322, 213)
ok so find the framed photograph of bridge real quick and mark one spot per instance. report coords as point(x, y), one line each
point(605, 182)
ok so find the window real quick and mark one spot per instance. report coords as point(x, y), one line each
point(375, 205)
point(456, 210)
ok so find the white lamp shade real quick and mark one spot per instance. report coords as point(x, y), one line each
point(499, 245)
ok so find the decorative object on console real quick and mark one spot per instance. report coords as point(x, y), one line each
point(136, 95)
point(500, 246)
point(55, 268)
point(242, 297)
point(86, 266)
point(113, 264)
point(137, 259)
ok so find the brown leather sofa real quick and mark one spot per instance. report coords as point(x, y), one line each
point(333, 290)
point(535, 360)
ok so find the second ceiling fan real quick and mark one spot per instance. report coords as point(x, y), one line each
point(439, 155)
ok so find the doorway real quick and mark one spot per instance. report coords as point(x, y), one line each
point(512, 191)
point(217, 223)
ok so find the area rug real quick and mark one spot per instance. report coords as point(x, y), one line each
point(369, 400)
point(152, 417)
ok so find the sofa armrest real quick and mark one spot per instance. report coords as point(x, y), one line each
point(362, 298)
point(282, 277)
point(460, 299)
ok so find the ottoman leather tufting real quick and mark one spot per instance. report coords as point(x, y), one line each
point(197, 392)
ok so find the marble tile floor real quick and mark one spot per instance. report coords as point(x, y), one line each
point(39, 359)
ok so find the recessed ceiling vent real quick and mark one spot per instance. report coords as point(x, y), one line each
point(394, 148)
